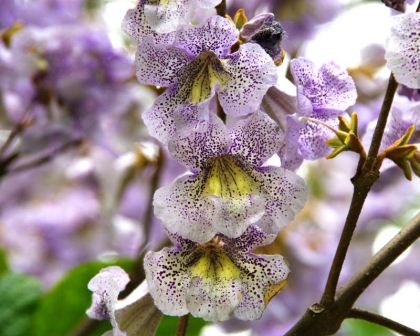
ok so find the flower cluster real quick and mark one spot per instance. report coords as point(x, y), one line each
point(212, 79)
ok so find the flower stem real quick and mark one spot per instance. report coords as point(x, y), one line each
point(363, 180)
point(383, 321)
point(182, 325)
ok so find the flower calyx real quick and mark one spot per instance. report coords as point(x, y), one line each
point(403, 154)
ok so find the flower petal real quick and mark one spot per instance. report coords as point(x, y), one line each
point(252, 73)
point(285, 193)
point(168, 279)
point(213, 300)
point(403, 49)
point(217, 34)
point(106, 286)
point(170, 117)
point(256, 139)
point(183, 211)
point(198, 148)
point(136, 25)
point(166, 16)
point(289, 154)
point(312, 136)
point(328, 87)
point(262, 277)
point(252, 238)
point(159, 65)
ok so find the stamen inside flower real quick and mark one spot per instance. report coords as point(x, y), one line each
point(227, 178)
point(201, 75)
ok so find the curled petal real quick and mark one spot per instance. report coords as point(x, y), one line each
point(168, 279)
point(256, 139)
point(136, 25)
point(106, 286)
point(159, 65)
point(403, 49)
point(217, 34)
point(262, 278)
point(252, 72)
point(198, 148)
point(252, 238)
point(285, 193)
point(328, 87)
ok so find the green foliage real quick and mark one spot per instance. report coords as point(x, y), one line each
point(4, 266)
point(64, 306)
point(353, 327)
point(169, 324)
point(19, 296)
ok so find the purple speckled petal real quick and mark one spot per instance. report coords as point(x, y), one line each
point(285, 193)
point(403, 49)
point(196, 149)
point(136, 25)
point(168, 280)
point(184, 211)
point(252, 238)
point(217, 34)
point(170, 117)
point(328, 87)
point(213, 300)
point(252, 73)
point(256, 139)
point(106, 286)
point(262, 277)
point(289, 154)
point(159, 65)
point(312, 136)
point(166, 16)
point(234, 216)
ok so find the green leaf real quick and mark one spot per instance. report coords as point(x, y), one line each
point(64, 306)
point(19, 297)
point(4, 265)
point(169, 324)
point(355, 327)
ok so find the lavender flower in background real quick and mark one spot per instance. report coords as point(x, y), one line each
point(229, 187)
point(217, 279)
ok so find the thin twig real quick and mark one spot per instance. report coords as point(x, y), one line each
point(363, 180)
point(19, 127)
point(182, 325)
point(383, 321)
point(321, 321)
point(47, 157)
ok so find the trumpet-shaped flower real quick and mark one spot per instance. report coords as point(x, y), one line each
point(215, 280)
point(229, 188)
point(196, 66)
point(403, 49)
point(322, 94)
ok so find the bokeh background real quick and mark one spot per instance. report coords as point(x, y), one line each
point(77, 179)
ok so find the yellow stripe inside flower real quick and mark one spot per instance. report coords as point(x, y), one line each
point(226, 179)
point(201, 75)
point(215, 266)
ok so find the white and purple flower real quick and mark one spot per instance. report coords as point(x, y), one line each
point(322, 94)
point(229, 188)
point(215, 280)
point(196, 66)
